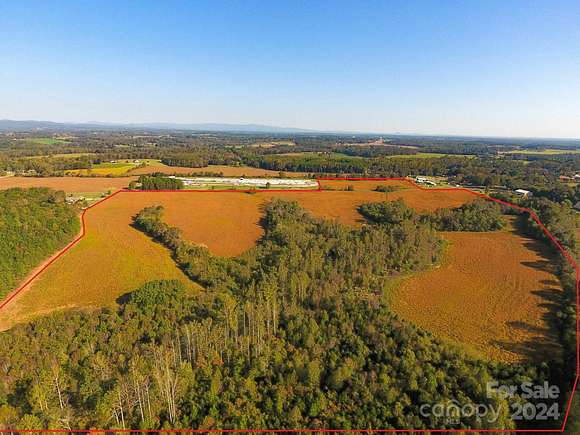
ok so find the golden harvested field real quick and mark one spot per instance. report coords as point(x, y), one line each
point(494, 293)
point(365, 185)
point(420, 200)
point(112, 258)
point(68, 184)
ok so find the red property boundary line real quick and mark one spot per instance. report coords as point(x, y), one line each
point(534, 216)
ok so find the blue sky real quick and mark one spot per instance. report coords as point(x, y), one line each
point(477, 67)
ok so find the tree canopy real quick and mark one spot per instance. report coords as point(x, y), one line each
point(34, 223)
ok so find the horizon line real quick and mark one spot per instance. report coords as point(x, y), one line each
point(169, 125)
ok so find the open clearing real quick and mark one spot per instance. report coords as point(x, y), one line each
point(44, 140)
point(494, 293)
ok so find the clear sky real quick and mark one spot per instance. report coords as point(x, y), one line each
point(478, 67)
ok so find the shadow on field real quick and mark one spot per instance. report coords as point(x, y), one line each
point(545, 344)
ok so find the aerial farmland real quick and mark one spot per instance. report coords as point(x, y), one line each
point(424, 247)
point(220, 217)
point(228, 225)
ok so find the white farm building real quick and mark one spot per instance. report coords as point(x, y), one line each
point(250, 182)
point(523, 192)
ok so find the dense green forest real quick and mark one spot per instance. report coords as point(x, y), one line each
point(34, 223)
point(293, 334)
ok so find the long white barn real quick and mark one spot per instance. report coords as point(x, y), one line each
point(253, 182)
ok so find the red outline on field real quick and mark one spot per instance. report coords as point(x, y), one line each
point(534, 216)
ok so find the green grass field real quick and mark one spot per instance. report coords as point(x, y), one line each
point(120, 167)
point(45, 140)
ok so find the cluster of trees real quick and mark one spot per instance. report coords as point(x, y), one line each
point(385, 188)
point(293, 334)
point(159, 182)
point(34, 223)
point(479, 215)
point(387, 212)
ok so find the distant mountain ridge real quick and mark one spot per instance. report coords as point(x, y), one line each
point(28, 125)
point(8, 125)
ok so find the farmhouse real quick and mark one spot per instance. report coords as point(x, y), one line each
point(523, 192)
point(424, 180)
point(74, 199)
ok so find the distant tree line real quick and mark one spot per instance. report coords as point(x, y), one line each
point(371, 151)
point(203, 157)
